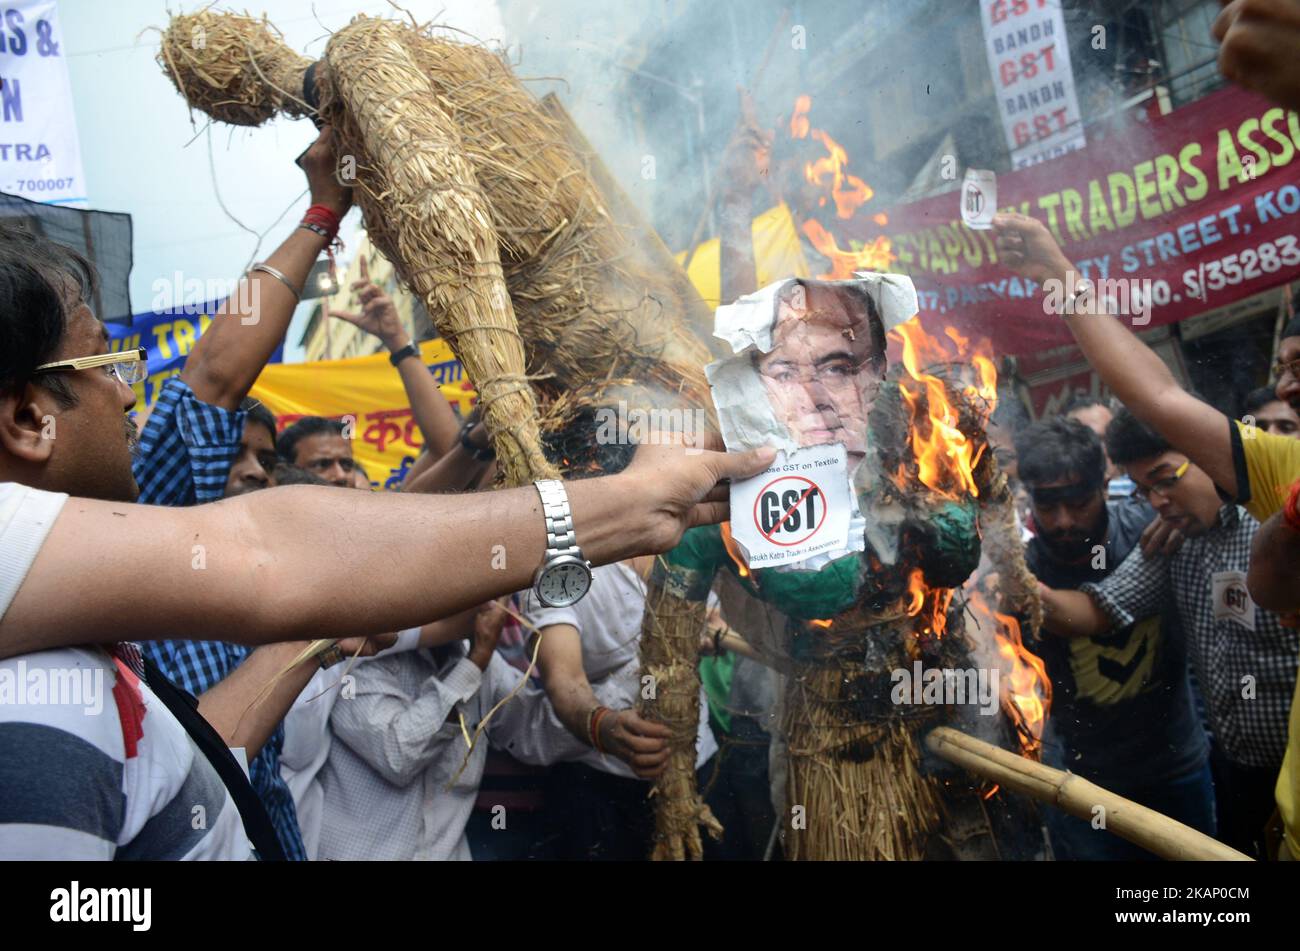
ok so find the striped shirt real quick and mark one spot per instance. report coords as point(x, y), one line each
point(186, 450)
point(92, 764)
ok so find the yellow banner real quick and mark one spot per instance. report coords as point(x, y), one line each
point(368, 392)
point(777, 254)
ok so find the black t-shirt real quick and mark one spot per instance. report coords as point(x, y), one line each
point(1122, 711)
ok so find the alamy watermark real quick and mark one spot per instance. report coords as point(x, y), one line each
point(1122, 296)
point(955, 686)
point(83, 687)
point(624, 425)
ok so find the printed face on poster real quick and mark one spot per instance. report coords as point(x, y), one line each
point(809, 359)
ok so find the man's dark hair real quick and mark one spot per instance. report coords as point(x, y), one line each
point(1084, 401)
point(287, 444)
point(1257, 399)
point(35, 275)
point(1058, 449)
point(1128, 439)
point(286, 473)
point(258, 413)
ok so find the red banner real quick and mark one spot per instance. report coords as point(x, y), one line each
point(1186, 213)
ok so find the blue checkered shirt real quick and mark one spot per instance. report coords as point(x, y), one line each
point(186, 451)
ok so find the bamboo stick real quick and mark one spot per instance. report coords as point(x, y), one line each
point(1144, 827)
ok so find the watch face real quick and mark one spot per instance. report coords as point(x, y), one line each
point(563, 584)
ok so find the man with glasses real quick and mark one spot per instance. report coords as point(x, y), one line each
point(825, 366)
point(124, 767)
point(1122, 713)
point(1255, 469)
point(1244, 658)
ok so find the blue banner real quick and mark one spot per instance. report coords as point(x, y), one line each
point(168, 336)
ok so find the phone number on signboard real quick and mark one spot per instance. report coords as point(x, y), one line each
point(1269, 258)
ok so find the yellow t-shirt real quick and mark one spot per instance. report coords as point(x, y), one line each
point(1266, 466)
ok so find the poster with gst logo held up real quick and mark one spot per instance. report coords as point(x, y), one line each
point(807, 362)
point(798, 507)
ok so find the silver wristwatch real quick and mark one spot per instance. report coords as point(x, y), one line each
point(564, 576)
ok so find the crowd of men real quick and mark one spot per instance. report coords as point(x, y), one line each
point(208, 716)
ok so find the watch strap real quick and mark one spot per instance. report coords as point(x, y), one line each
point(560, 537)
point(400, 354)
point(480, 455)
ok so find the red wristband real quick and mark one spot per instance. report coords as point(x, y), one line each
point(1291, 511)
point(323, 217)
point(597, 715)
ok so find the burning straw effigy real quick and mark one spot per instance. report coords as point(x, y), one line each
point(493, 213)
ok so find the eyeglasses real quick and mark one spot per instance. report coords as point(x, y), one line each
point(127, 366)
point(1285, 368)
point(833, 374)
point(1162, 486)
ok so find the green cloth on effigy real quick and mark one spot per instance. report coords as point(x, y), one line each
point(688, 571)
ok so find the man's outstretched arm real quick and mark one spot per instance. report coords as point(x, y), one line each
point(1132, 370)
point(276, 568)
point(1071, 613)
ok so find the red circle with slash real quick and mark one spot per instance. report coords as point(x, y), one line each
point(793, 508)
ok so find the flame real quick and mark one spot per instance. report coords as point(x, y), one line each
point(876, 256)
point(849, 192)
point(945, 456)
point(916, 590)
point(799, 124)
point(821, 622)
point(1026, 688)
point(733, 550)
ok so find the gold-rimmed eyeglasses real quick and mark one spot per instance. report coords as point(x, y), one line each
point(128, 366)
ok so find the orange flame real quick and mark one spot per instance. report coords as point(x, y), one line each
point(916, 590)
point(876, 256)
point(945, 456)
point(1026, 688)
point(799, 124)
point(849, 192)
point(733, 550)
point(821, 622)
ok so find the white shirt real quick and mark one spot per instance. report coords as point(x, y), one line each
point(388, 791)
point(307, 737)
point(608, 620)
point(92, 764)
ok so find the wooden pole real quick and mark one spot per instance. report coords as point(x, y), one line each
point(1144, 827)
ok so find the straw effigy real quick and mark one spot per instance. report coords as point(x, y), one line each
point(489, 209)
point(591, 298)
point(670, 639)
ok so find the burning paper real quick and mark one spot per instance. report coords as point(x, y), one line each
point(809, 359)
